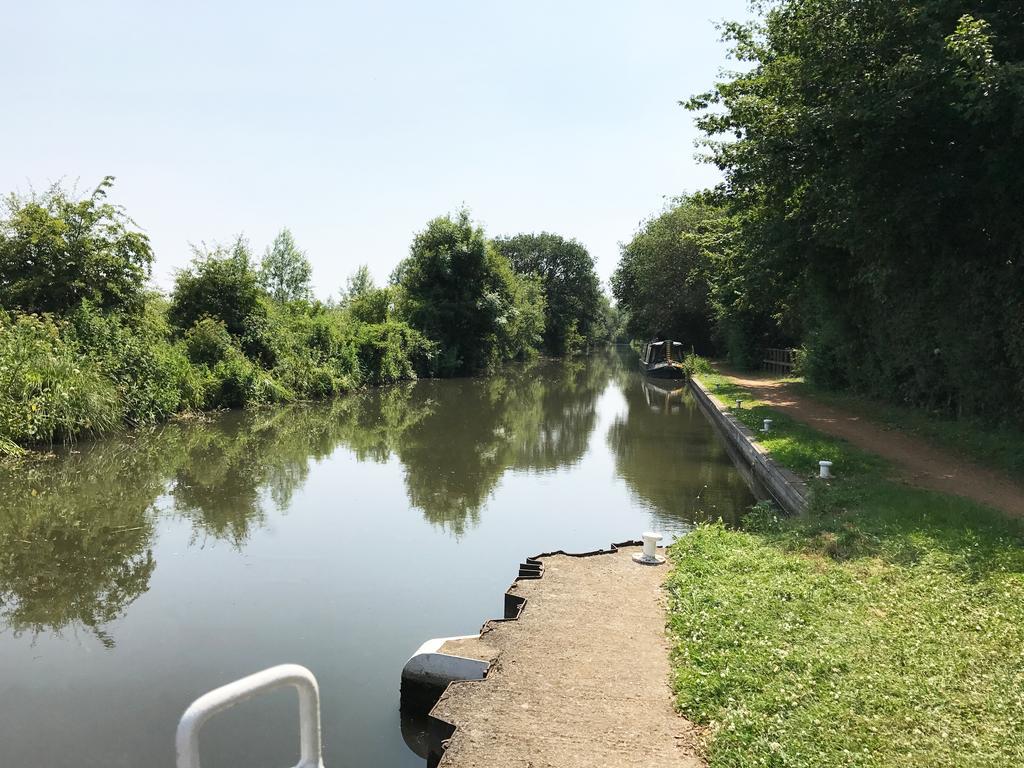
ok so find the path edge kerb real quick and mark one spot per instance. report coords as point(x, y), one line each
point(785, 488)
point(441, 731)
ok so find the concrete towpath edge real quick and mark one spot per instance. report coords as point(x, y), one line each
point(763, 474)
point(441, 730)
point(618, 629)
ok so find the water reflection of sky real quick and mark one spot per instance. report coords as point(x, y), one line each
point(138, 573)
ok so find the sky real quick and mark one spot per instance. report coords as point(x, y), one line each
point(355, 123)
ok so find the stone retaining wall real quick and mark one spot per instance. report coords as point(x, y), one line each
point(765, 475)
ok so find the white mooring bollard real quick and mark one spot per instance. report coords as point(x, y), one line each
point(739, 403)
point(650, 554)
point(767, 425)
point(825, 469)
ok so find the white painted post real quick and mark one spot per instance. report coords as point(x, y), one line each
point(825, 469)
point(651, 544)
point(739, 403)
point(650, 554)
point(225, 697)
point(767, 425)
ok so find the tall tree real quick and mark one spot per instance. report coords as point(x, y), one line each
point(285, 271)
point(662, 277)
point(871, 151)
point(612, 322)
point(364, 301)
point(572, 288)
point(56, 251)
point(458, 290)
point(357, 284)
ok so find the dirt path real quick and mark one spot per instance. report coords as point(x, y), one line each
point(581, 679)
point(919, 462)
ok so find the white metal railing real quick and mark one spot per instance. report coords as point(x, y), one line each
point(225, 697)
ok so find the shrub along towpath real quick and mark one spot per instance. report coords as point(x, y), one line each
point(883, 628)
point(916, 460)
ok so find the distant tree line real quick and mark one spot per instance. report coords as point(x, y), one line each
point(870, 213)
point(86, 346)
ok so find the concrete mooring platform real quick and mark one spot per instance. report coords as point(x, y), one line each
point(579, 674)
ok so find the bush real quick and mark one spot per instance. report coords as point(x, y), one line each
point(153, 377)
point(223, 284)
point(116, 355)
point(391, 352)
point(694, 365)
point(208, 342)
point(371, 306)
point(56, 252)
point(236, 382)
point(315, 355)
point(93, 372)
point(49, 392)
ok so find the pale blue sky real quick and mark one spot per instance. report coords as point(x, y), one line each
point(355, 123)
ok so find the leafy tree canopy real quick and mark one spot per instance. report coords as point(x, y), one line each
point(667, 273)
point(572, 288)
point(56, 251)
point(611, 323)
point(358, 284)
point(364, 301)
point(871, 152)
point(458, 290)
point(223, 284)
point(285, 272)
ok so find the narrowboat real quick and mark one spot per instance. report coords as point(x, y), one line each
point(663, 360)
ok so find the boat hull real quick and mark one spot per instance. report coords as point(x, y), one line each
point(664, 371)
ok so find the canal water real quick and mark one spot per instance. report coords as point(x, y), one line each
point(137, 573)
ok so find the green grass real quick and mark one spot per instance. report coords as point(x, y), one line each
point(996, 445)
point(999, 446)
point(93, 373)
point(883, 628)
point(792, 443)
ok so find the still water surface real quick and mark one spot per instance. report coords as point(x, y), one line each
point(138, 573)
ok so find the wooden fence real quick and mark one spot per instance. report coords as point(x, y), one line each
point(779, 360)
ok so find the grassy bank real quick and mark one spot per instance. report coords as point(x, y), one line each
point(86, 347)
point(884, 628)
point(995, 445)
point(92, 373)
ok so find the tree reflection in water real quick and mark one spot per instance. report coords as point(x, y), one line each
point(74, 541)
point(669, 457)
point(534, 418)
point(76, 531)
